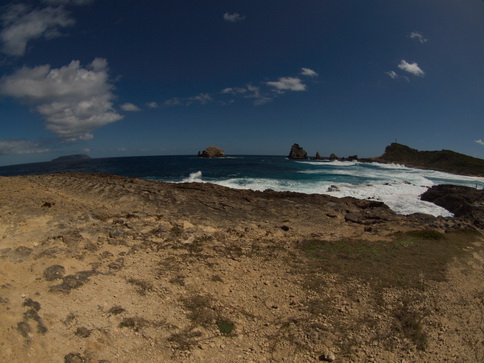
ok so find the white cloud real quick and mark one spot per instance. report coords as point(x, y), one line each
point(152, 104)
point(175, 101)
point(259, 98)
point(129, 107)
point(411, 68)
point(480, 142)
point(74, 101)
point(260, 94)
point(418, 36)
point(18, 147)
point(202, 99)
point(20, 25)
point(288, 84)
point(234, 91)
point(250, 91)
point(309, 72)
point(233, 18)
point(392, 74)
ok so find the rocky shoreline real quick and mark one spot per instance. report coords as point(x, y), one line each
point(100, 268)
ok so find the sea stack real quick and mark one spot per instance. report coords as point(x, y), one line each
point(297, 152)
point(211, 152)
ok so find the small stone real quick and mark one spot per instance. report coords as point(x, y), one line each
point(83, 332)
point(327, 356)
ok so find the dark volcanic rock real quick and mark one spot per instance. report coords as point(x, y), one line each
point(83, 332)
point(463, 202)
point(70, 282)
point(297, 152)
point(75, 358)
point(211, 152)
point(22, 251)
point(54, 272)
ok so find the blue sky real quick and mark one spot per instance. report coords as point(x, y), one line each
point(122, 78)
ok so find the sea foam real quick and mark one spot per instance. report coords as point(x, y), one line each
point(395, 185)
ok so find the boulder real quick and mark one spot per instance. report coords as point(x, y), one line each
point(297, 152)
point(464, 202)
point(211, 152)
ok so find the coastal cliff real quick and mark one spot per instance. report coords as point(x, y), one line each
point(444, 160)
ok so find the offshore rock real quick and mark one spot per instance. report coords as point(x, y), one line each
point(211, 152)
point(297, 152)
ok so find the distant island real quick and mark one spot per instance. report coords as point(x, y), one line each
point(211, 152)
point(444, 160)
point(71, 157)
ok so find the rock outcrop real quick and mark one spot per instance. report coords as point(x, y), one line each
point(297, 152)
point(465, 202)
point(211, 152)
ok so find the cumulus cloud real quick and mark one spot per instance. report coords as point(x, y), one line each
point(234, 17)
point(18, 147)
point(20, 24)
point(129, 107)
point(480, 142)
point(418, 36)
point(288, 84)
point(74, 101)
point(308, 72)
point(411, 68)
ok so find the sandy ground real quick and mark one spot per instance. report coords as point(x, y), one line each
point(107, 269)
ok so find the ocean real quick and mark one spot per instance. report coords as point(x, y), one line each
point(397, 186)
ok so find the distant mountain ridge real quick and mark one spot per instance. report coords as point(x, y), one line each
point(444, 160)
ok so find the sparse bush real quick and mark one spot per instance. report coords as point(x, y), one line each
point(225, 327)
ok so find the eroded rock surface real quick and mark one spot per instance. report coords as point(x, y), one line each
point(97, 268)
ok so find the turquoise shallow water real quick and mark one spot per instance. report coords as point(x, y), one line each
point(397, 186)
